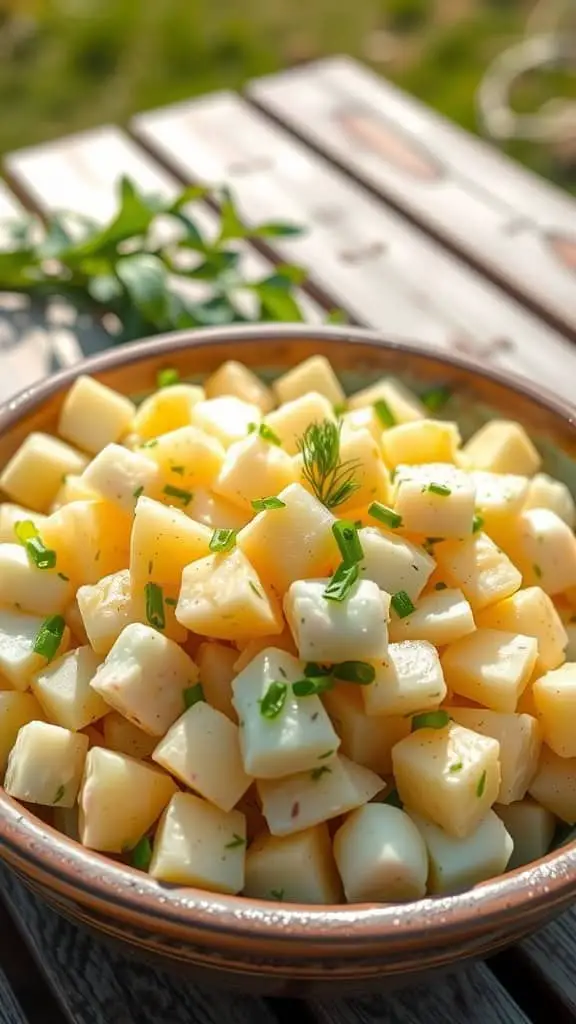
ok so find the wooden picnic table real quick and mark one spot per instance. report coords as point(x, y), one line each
point(414, 228)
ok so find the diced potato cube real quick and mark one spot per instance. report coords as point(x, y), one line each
point(457, 864)
point(120, 476)
point(18, 659)
point(144, 677)
point(223, 597)
point(283, 641)
point(500, 497)
point(520, 740)
point(313, 374)
point(403, 403)
point(409, 680)
point(420, 441)
point(271, 873)
point(440, 618)
point(16, 710)
point(490, 667)
point(532, 613)
point(365, 418)
point(334, 631)
point(125, 737)
point(291, 543)
point(291, 421)
point(24, 586)
point(254, 468)
point(476, 565)
point(544, 549)
point(531, 828)
point(217, 667)
point(394, 563)
point(554, 785)
point(167, 409)
point(186, 458)
point(301, 801)
point(197, 844)
point(105, 608)
point(300, 738)
point(120, 800)
point(93, 415)
point(91, 538)
point(202, 749)
point(555, 699)
point(449, 775)
point(217, 513)
point(164, 540)
point(381, 856)
point(502, 446)
point(436, 499)
point(226, 418)
point(11, 514)
point(45, 765)
point(72, 488)
point(234, 378)
point(34, 473)
point(365, 739)
point(63, 689)
point(545, 492)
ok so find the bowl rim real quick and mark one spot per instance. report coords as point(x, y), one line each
point(92, 880)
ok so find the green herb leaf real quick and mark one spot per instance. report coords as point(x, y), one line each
point(384, 413)
point(266, 504)
point(402, 604)
point(440, 489)
point(59, 794)
point(385, 515)
point(481, 785)
point(141, 856)
point(265, 432)
point(41, 556)
point(273, 700)
point(235, 842)
point(477, 523)
point(436, 398)
point(317, 773)
point(193, 695)
point(177, 492)
point(313, 671)
point(457, 766)
point(309, 686)
point(430, 720)
point(138, 492)
point(49, 636)
point(331, 480)
point(355, 672)
point(222, 540)
point(166, 378)
point(155, 606)
point(341, 583)
point(348, 541)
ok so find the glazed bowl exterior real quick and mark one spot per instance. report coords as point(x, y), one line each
point(270, 948)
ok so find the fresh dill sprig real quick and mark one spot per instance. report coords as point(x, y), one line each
point(331, 480)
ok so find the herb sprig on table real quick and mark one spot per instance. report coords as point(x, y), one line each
point(153, 267)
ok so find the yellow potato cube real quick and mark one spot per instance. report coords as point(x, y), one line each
point(63, 689)
point(217, 668)
point(544, 549)
point(217, 513)
point(531, 828)
point(291, 421)
point(187, 459)
point(120, 476)
point(202, 749)
point(167, 409)
point(457, 864)
point(313, 374)
point(479, 568)
point(295, 869)
point(291, 543)
point(500, 497)
point(490, 667)
point(555, 699)
point(502, 446)
point(93, 415)
point(436, 499)
point(91, 539)
point(105, 609)
point(120, 800)
point(164, 540)
point(34, 473)
point(403, 403)
point(73, 488)
point(200, 845)
point(16, 710)
point(125, 737)
point(11, 514)
point(440, 618)
point(365, 418)
point(394, 563)
point(409, 680)
point(365, 739)
point(234, 378)
point(334, 631)
point(381, 856)
point(18, 659)
point(532, 613)
point(545, 492)
point(520, 740)
point(450, 776)
point(226, 418)
point(29, 589)
point(554, 785)
point(420, 441)
point(254, 468)
point(283, 641)
point(45, 765)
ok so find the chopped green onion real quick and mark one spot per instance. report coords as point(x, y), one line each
point(439, 489)
point(384, 413)
point(355, 672)
point(150, 444)
point(436, 398)
point(180, 470)
point(477, 523)
point(171, 601)
point(141, 855)
point(193, 695)
point(481, 785)
point(385, 515)
point(441, 586)
point(155, 605)
point(537, 571)
point(430, 720)
point(59, 794)
point(176, 492)
point(165, 378)
point(277, 894)
point(235, 842)
point(348, 540)
point(38, 553)
point(273, 700)
point(25, 530)
point(456, 767)
point(138, 492)
point(317, 773)
point(313, 671)
point(265, 432)
point(341, 583)
point(49, 636)
point(265, 504)
point(329, 753)
point(393, 800)
point(309, 686)
point(402, 604)
point(222, 540)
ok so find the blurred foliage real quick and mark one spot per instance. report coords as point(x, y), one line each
point(71, 64)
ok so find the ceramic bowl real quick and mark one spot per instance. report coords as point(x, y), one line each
point(263, 947)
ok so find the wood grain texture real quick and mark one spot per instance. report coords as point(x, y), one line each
point(10, 1009)
point(389, 274)
point(551, 954)
point(520, 229)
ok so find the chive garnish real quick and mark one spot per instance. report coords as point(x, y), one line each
point(177, 492)
point(430, 720)
point(341, 583)
point(308, 687)
point(235, 842)
point(477, 523)
point(456, 767)
point(384, 413)
point(165, 378)
point(317, 773)
point(273, 700)
point(49, 636)
point(138, 492)
point(59, 794)
point(385, 515)
point(265, 432)
point(481, 785)
point(355, 672)
point(141, 855)
point(192, 695)
point(439, 489)
point(38, 553)
point(402, 604)
point(222, 540)
point(348, 541)
point(155, 605)
point(436, 398)
point(265, 504)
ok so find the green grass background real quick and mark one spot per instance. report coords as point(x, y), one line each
point(66, 65)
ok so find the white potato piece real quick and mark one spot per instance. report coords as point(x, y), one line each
point(449, 775)
point(254, 468)
point(11, 514)
point(291, 421)
point(72, 488)
point(490, 667)
point(457, 864)
point(63, 689)
point(381, 856)
point(545, 492)
point(18, 659)
point(334, 631)
point(555, 699)
point(365, 739)
point(24, 586)
point(16, 710)
point(303, 800)
point(410, 679)
point(121, 476)
point(45, 765)
point(420, 441)
point(200, 845)
point(227, 418)
point(283, 641)
point(483, 573)
point(554, 785)
point(313, 374)
point(105, 608)
point(502, 446)
point(544, 549)
point(166, 410)
point(34, 473)
point(125, 737)
point(394, 563)
point(233, 378)
point(439, 618)
point(365, 418)
point(202, 749)
point(520, 739)
point(500, 497)
point(531, 828)
point(298, 868)
point(403, 403)
point(94, 415)
point(532, 613)
point(91, 538)
point(299, 738)
point(164, 540)
point(120, 800)
point(215, 512)
point(217, 668)
point(144, 677)
point(186, 458)
point(436, 499)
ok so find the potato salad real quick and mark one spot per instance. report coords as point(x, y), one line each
point(287, 643)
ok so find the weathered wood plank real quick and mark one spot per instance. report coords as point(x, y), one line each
point(551, 955)
point(388, 273)
point(10, 1009)
point(520, 229)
